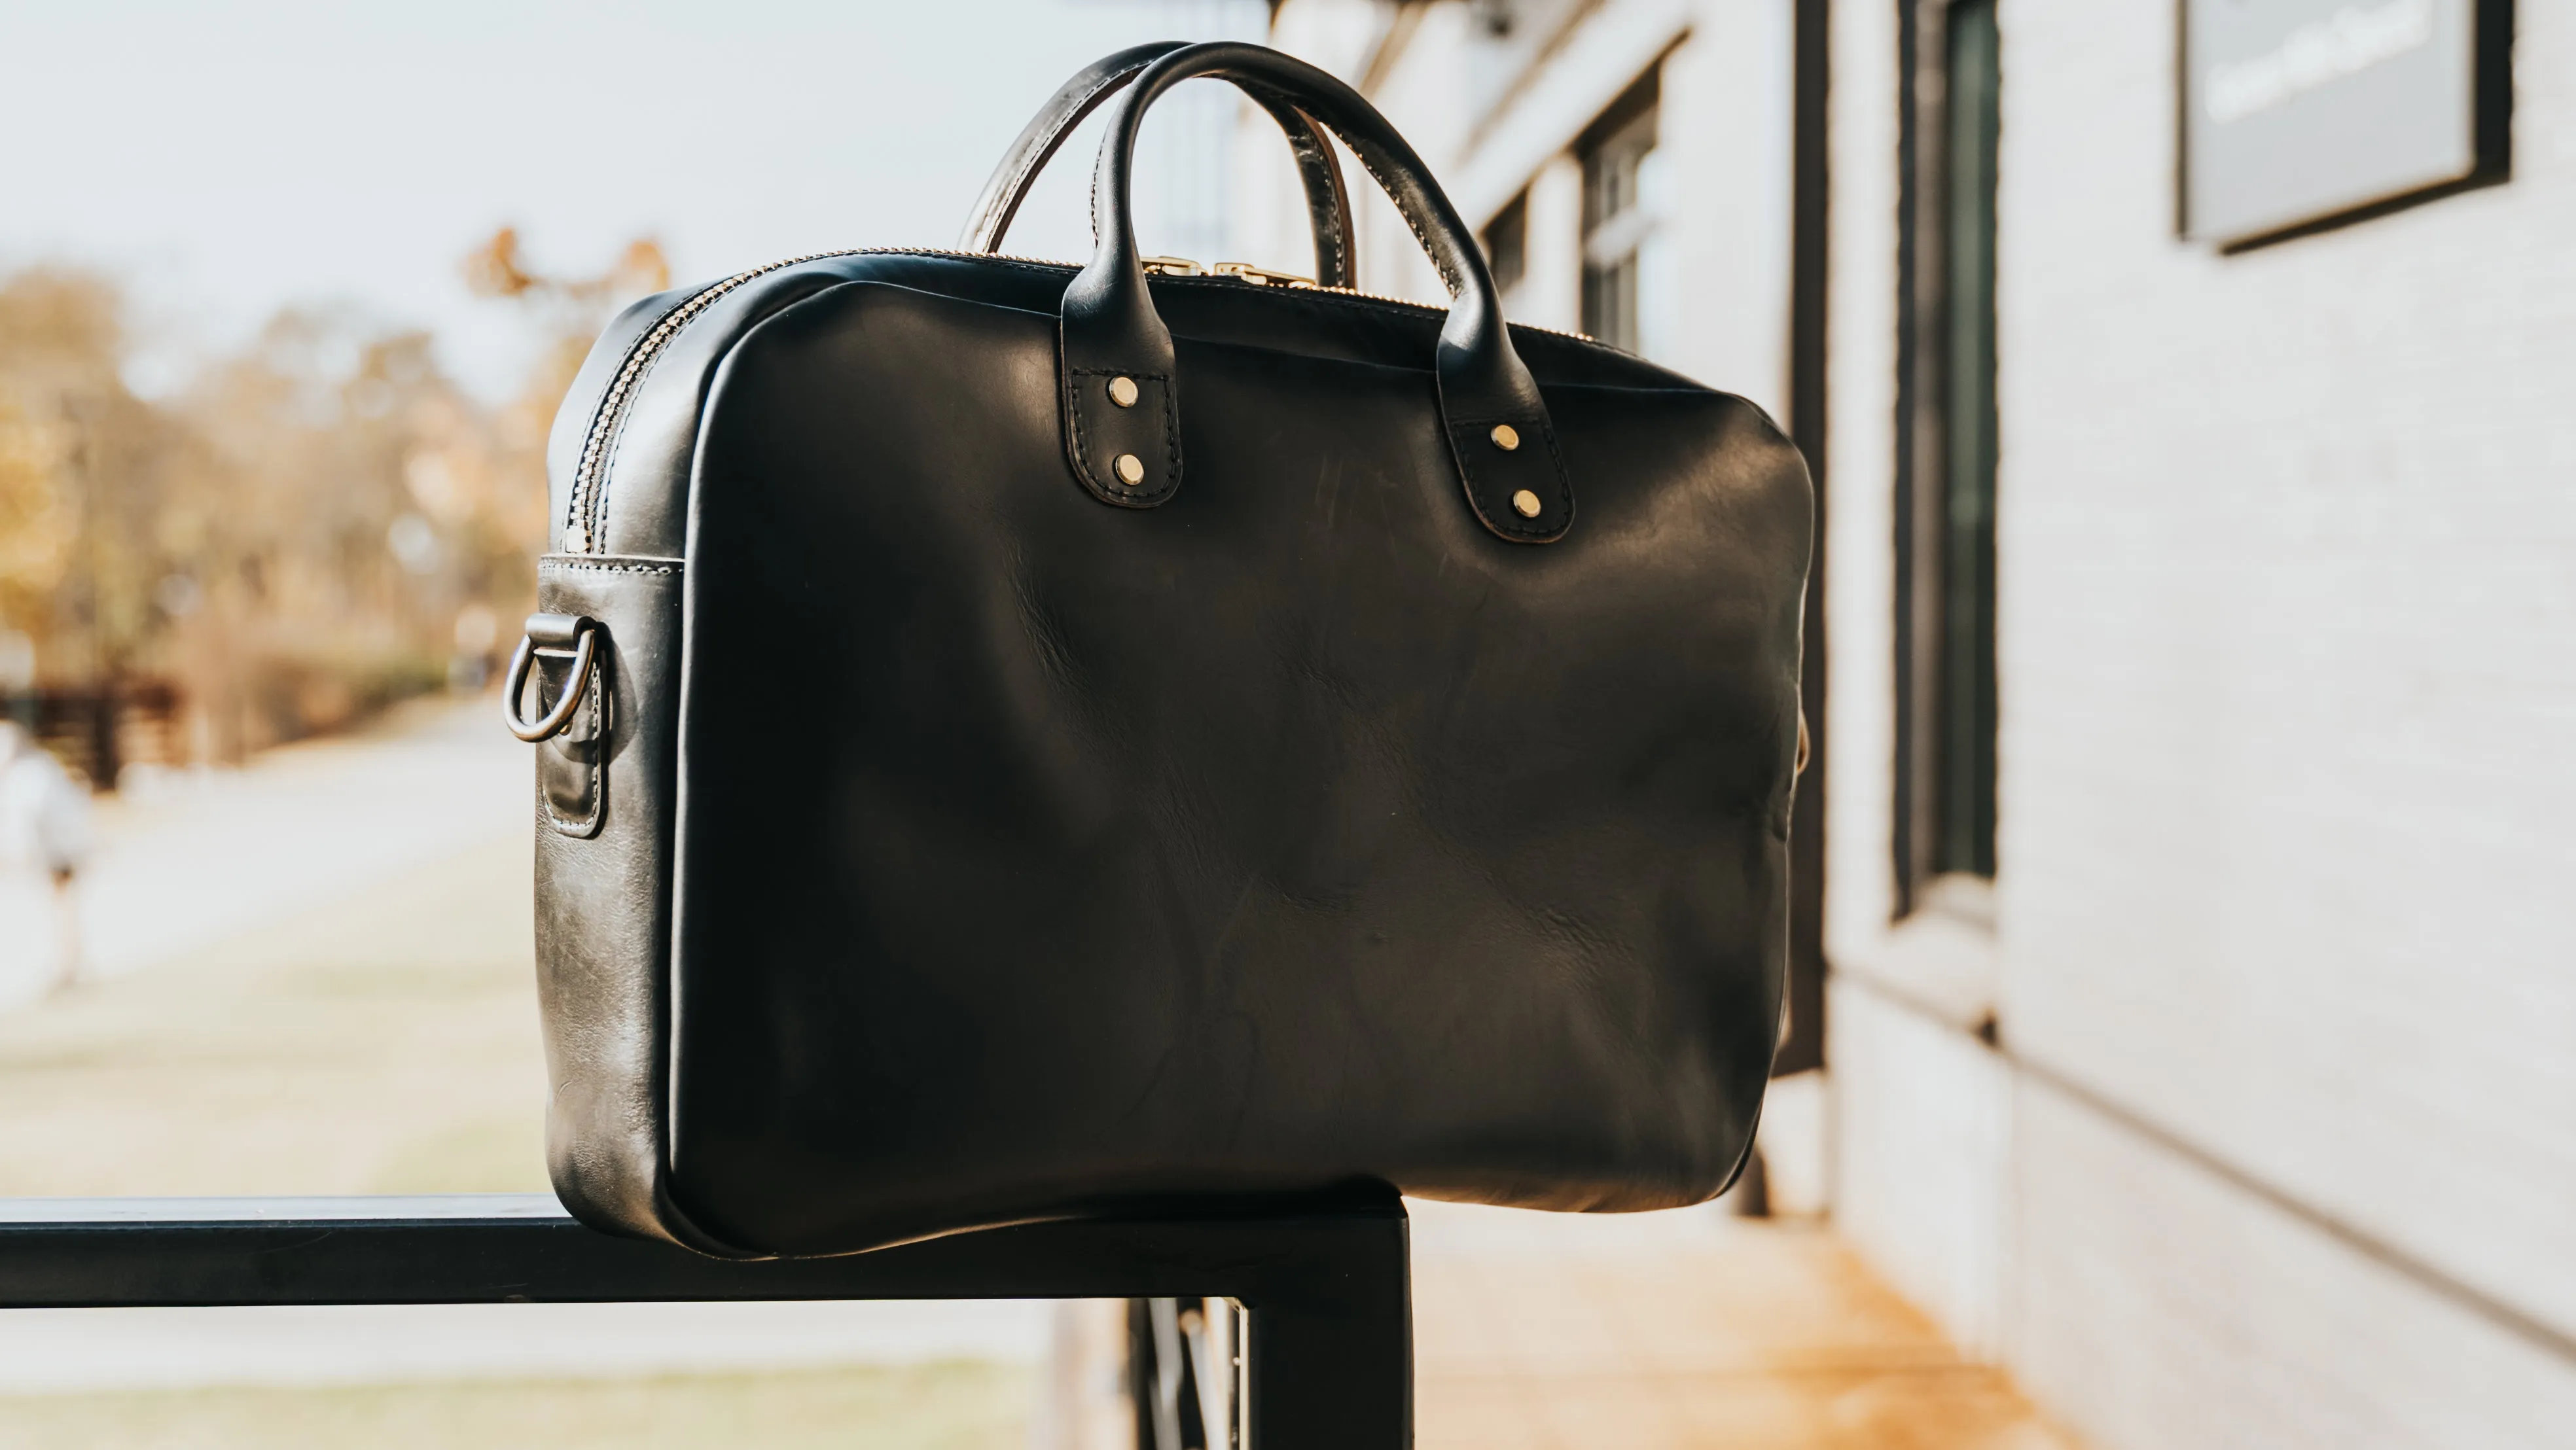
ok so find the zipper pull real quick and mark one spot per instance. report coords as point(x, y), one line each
point(1260, 276)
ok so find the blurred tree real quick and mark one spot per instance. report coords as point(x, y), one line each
point(36, 520)
point(311, 526)
point(569, 310)
point(80, 465)
point(313, 587)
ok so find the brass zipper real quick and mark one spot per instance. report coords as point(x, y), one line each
point(581, 524)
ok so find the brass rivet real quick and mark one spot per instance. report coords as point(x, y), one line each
point(1122, 391)
point(1525, 503)
point(1131, 469)
point(1506, 437)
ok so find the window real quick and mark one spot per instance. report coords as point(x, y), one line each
point(1618, 214)
point(1946, 466)
point(1506, 240)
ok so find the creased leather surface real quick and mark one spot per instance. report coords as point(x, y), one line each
point(1035, 854)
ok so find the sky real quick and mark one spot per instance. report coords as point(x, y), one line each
point(227, 159)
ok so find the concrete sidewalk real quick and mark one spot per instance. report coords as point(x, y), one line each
point(1688, 1330)
point(186, 858)
point(318, 980)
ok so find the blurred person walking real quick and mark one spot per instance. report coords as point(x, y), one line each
point(44, 821)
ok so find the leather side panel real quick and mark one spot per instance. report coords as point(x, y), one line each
point(603, 913)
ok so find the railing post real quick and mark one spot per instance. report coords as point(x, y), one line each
point(1332, 1356)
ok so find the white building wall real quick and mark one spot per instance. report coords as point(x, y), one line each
point(2159, 1305)
point(1423, 90)
point(2289, 546)
point(2251, 1118)
point(1718, 293)
point(1860, 518)
point(1922, 1130)
point(1723, 266)
point(1923, 1141)
point(2288, 657)
point(1551, 294)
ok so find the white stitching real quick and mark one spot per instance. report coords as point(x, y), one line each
point(1028, 163)
point(1082, 449)
point(588, 824)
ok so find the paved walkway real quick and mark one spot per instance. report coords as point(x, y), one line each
point(185, 858)
point(315, 978)
point(1690, 1330)
point(318, 982)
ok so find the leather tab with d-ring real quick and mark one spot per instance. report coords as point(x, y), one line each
point(552, 634)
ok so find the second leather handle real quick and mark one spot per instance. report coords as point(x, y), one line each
point(1328, 201)
point(1118, 369)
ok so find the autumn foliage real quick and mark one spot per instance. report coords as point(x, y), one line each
point(317, 523)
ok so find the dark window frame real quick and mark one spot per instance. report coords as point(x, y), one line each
point(1945, 671)
point(1802, 1045)
point(1506, 243)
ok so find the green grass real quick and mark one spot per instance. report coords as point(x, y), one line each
point(961, 1406)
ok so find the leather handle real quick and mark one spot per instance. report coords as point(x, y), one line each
point(1328, 201)
point(1120, 395)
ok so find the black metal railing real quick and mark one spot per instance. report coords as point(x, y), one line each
point(1326, 1287)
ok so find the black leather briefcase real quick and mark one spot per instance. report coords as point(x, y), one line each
point(1021, 740)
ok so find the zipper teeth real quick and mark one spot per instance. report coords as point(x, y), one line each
point(581, 525)
point(1305, 286)
point(613, 403)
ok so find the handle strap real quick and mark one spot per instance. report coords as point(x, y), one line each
point(1120, 395)
point(1328, 201)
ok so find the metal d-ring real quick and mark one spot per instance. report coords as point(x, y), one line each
point(583, 632)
